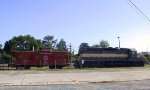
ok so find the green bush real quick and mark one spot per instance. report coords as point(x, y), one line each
point(4, 58)
point(145, 59)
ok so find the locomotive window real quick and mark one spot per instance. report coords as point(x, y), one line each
point(133, 53)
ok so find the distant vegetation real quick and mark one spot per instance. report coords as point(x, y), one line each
point(28, 43)
point(146, 58)
point(102, 44)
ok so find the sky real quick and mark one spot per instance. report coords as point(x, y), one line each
point(78, 21)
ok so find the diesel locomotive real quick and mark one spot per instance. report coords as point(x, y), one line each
point(107, 57)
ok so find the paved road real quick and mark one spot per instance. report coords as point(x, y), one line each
point(34, 78)
point(129, 85)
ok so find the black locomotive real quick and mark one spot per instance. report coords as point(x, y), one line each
point(107, 57)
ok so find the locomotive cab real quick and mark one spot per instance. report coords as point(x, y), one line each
point(132, 53)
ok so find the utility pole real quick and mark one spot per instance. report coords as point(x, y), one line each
point(119, 41)
point(70, 51)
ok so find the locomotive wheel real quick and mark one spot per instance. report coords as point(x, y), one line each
point(51, 67)
point(59, 67)
point(27, 67)
point(19, 67)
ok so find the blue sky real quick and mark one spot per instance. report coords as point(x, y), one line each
point(78, 21)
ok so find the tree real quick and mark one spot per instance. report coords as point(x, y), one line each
point(26, 43)
point(84, 45)
point(104, 44)
point(0, 48)
point(95, 45)
point(49, 42)
point(7, 47)
point(146, 58)
point(61, 46)
point(146, 61)
point(40, 44)
point(5, 56)
point(0, 52)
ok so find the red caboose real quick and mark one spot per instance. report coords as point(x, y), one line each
point(45, 57)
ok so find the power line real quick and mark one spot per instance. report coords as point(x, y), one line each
point(140, 12)
point(136, 11)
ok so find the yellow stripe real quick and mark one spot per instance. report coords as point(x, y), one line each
point(105, 55)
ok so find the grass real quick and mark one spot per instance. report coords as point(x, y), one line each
point(72, 68)
point(40, 68)
point(118, 68)
point(147, 66)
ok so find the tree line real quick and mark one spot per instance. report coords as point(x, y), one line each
point(102, 44)
point(28, 43)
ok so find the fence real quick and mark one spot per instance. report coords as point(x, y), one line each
point(4, 64)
